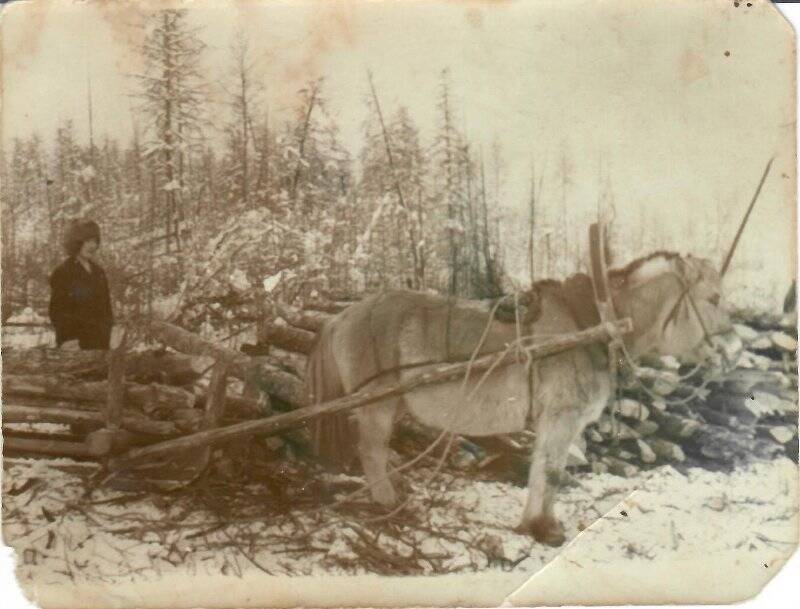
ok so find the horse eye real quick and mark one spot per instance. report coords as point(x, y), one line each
point(714, 299)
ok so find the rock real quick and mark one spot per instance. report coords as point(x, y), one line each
point(784, 341)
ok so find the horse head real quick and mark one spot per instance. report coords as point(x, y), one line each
point(676, 305)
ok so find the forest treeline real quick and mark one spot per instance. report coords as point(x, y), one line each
point(195, 210)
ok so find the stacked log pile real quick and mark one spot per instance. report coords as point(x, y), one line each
point(708, 418)
point(71, 387)
point(674, 414)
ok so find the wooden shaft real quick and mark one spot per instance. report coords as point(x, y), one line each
point(435, 374)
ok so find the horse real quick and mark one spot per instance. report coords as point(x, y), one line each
point(676, 308)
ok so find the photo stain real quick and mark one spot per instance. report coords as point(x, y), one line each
point(727, 53)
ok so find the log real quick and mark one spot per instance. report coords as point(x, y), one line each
point(618, 467)
point(646, 428)
point(312, 321)
point(48, 447)
point(287, 337)
point(594, 436)
point(784, 342)
point(331, 307)
point(599, 467)
point(576, 456)
point(239, 406)
point(646, 454)
point(632, 409)
point(274, 381)
point(143, 367)
point(675, 426)
point(145, 397)
point(715, 417)
point(295, 363)
point(665, 449)
point(28, 414)
point(782, 433)
point(430, 375)
point(615, 429)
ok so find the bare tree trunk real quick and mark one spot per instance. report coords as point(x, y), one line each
point(303, 136)
point(397, 187)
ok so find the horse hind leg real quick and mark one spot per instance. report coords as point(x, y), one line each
point(375, 424)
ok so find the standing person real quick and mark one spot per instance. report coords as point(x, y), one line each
point(80, 303)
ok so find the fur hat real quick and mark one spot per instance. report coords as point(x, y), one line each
point(78, 232)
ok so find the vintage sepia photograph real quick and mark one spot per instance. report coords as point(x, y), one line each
point(403, 303)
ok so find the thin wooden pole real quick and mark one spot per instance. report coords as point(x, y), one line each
point(299, 417)
point(726, 263)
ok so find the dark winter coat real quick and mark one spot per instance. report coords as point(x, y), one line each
point(80, 305)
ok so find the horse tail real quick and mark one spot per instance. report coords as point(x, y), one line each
point(334, 439)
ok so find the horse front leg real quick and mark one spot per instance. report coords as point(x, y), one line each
point(556, 430)
point(375, 424)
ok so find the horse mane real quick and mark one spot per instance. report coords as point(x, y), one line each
point(577, 294)
point(620, 275)
point(640, 263)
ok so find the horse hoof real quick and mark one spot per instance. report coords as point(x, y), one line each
point(387, 497)
point(546, 530)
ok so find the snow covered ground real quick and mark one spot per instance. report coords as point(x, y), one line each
point(456, 526)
